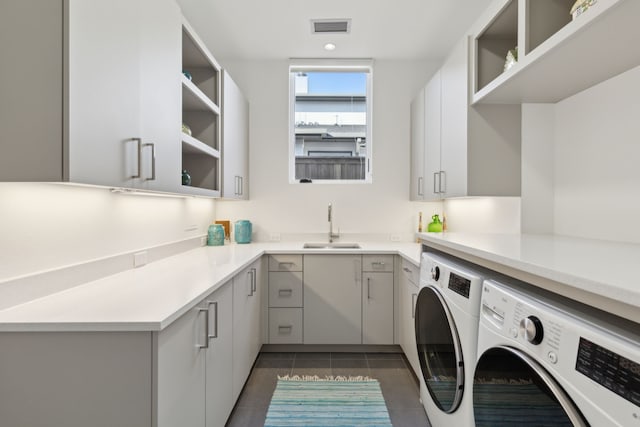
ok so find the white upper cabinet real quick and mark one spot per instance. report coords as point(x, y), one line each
point(201, 95)
point(425, 140)
point(96, 100)
point(235, 140)
point(557, 56)
point(417, 146)
point(432, 140)
point(160, 94)
point(468, 150)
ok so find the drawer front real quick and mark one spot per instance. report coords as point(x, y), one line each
point(285, 326)
point(411, 272)
point(377, 263)
point(285, 262)
point(285, 289)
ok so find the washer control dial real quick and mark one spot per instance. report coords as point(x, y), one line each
point(532, 330)
point(435, 273)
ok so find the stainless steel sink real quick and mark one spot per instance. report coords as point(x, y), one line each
point(331, 246)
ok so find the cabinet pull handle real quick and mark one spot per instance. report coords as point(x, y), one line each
point(285, 264)
point(420, 191)
point(368, 287)
point(215, 318)
point(241, 185)
point(236, 190)
point(443, 178)
point(407, 270)
point(206, 328)
point(287, 292)
point(250, 273)
point(254, 285)
point(153, 161)
point(435, 178)
point(413, 305)
point(288, 328)
point(139, 142)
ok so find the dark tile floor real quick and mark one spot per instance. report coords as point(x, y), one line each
point(399, 386)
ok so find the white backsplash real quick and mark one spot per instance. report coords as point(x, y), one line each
point(483, 215)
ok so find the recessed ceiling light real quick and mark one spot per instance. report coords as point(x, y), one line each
point(329, 46)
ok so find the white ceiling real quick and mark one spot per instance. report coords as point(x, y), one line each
point(380, 29)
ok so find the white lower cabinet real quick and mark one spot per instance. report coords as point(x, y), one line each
point(285, 299)
point(189, 374)
point(194, 355)
point(377, 308)
point(285, 325)
point(247, 338)
point(333, 299)
point(377, 299)
point(219, 399)
point(409, 280)
point(76, 379)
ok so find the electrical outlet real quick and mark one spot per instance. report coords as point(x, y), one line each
point(274, 237)
point(139, 259)
point(394, 237)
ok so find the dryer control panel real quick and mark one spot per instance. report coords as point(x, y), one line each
point(609, 369)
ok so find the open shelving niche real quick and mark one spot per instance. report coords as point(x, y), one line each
point(557, 56)
point(201, 112)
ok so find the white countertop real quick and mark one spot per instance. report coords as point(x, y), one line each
point(149, 298)
point(599, 273)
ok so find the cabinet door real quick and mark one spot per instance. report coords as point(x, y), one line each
point(160, 42)
point(235, 141)
point(332, 299)
point(104, 76)
point(417, 146)
point(219, 358)
point(454, 122)
point(31, 85)
point(432, 133)
point(408, 295)
point(181, 370)
point(246, 324)
point(377, 308)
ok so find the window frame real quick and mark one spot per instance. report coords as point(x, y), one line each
point(344, 65)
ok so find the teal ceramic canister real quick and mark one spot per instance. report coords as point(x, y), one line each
point(215, 235)
point(242, 231)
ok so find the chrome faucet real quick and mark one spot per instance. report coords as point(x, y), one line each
point(331, 234)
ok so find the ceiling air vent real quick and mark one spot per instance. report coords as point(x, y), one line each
point(330, 26)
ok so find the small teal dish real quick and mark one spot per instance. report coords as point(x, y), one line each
point(242, 231)
point(187, 74)
point(215, 235)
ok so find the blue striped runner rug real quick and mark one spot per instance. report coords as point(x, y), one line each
point(332, 401)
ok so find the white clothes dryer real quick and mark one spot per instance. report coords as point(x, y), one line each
point(446, 327)
point(543, 362)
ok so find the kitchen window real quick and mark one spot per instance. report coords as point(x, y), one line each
point(330, 121)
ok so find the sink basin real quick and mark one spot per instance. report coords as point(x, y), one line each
point(331, 246)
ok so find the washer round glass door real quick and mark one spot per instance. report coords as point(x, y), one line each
point(512, 389)
point(439, 350)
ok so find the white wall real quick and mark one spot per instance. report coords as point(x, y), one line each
point(279, 207)
point(483, 215)
point(46, 226)
point(597, 161)
point(538, 135)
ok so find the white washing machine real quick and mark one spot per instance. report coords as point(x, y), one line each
point(546, 363)
point(446, 320)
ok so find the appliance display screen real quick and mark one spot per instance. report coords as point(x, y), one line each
point(609, 369)
point(459, 285)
